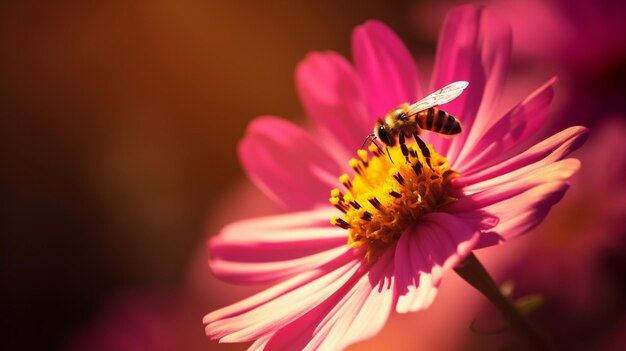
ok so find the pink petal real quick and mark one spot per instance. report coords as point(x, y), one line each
point(357, 311)
point(333, 98)
point(425, 252)
point(525, 178)
point(271, 248)
point(414, 283)
point(445, 241)
point(521, 213)
point(550, 150)
point(288, 164)
point(258, 272)
point(387, 70)
point(377, 294)
point(271, 228)
point(419, 297)
point(259, 344)
point(520, 199)
point(513, 128)
point(512, 184)
point(474, 46)
point(266, 312)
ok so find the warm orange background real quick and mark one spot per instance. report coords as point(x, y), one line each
point(120, 125)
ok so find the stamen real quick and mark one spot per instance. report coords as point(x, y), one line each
point(366, 216)
point(336, 193)
point(338, 221)
point(345, 180)
point(383, 198)
point(395, 194)
point(417, 168)
point(356, 165)
point(376, 203)
point(355, 205)
point(399, 178)
point(335, 201)
point(375, 149)
point(363, 156)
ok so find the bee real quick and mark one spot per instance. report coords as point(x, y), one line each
point(406, 121)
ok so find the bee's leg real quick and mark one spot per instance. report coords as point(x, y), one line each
point(423, 149)
point(405, 150)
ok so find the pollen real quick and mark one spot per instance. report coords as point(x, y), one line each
point(389, 192)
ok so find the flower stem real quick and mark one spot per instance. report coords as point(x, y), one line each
point(473, 272)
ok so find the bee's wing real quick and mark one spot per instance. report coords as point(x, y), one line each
point(440, 97)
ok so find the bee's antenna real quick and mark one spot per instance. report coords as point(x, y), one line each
point(373, 136)
point(381, 150)
point(373, 141)
point(388, 154)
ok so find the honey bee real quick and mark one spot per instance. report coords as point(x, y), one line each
point(406, 121)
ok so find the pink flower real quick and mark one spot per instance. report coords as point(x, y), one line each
point(402, 224)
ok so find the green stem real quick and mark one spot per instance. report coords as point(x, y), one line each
point(473, 272)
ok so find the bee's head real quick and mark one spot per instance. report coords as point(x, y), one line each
point(382, 132)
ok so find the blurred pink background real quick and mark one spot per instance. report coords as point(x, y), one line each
point(120, 126)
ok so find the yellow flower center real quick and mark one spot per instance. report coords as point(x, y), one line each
point(388, 193)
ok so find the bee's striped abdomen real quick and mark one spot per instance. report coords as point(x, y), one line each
point(438, 121)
